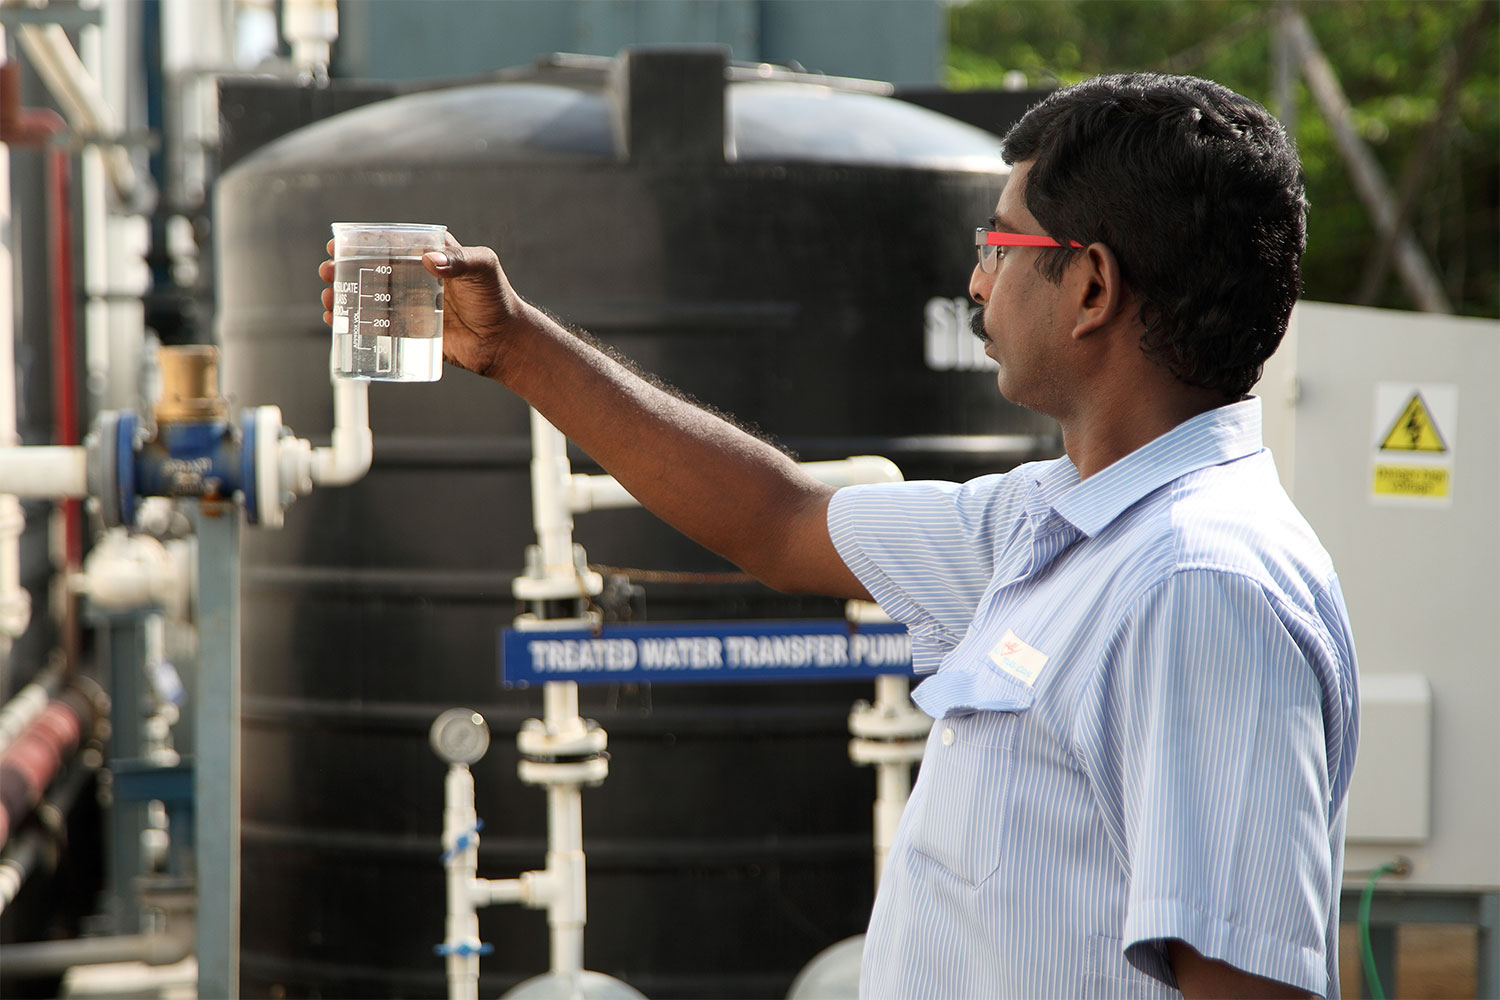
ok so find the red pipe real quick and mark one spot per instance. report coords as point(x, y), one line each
point(34, 759)
point(64, 336)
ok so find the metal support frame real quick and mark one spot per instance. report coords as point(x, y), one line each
point(1391, 908)
point(126, 650)
point(216, 753)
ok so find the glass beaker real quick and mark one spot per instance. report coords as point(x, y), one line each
point(387, 309)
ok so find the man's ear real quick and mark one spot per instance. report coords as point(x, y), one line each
point(1101, 290)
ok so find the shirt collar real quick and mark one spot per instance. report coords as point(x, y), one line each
point(1211, 438)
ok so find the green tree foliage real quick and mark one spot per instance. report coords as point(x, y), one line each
point(1392, 58)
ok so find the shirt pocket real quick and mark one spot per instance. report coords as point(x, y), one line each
point(970, 773)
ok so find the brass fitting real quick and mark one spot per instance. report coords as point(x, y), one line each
point(189, 385)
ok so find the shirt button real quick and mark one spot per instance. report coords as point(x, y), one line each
point(947, 737)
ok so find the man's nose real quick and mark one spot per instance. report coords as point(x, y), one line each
point(979, 284)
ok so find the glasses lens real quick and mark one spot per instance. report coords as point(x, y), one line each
point(988, 256)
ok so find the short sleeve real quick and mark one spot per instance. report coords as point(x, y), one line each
point(925, 551)
point(1222, 779)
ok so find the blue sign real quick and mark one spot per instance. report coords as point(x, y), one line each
point(704, 652)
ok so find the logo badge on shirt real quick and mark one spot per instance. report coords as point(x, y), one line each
point(1021, 661)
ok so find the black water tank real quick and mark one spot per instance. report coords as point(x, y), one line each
point(776, 248)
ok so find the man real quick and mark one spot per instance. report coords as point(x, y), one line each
point(1145, 683)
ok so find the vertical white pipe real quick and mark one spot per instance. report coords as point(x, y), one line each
point(566, 913)
point(462, 923)
point(566, 910)
point(893, 779)
point(550, 474)
point(95, 248)
point(310, 28)
point(560, 706)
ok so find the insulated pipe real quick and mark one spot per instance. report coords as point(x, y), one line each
point(28, 703)
point(347, 458)
point(34, 844)
point(35, 757)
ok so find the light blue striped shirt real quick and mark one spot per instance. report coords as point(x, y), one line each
point(1147, 716)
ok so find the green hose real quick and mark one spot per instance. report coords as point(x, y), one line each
point(1366, 953)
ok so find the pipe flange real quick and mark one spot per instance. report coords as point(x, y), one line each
point(537, 744)
point(559, 588)
point(886, 751)
point(260, 466)
point(899, 723)
point(103, 479)
point(577, 772)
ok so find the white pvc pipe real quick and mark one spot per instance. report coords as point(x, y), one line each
point(560, 707)
point(892, 778)
point(310, 28)
point(347, 458)
point(567, 910)
point(586, 493)
point(44, 471)
point(51, 957)
point(462, 925)
point(550, 473)
point(78, 95)
point(565, 888)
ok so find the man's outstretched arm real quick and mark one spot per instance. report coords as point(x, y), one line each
point(722, 487)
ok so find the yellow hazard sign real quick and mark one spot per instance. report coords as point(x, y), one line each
point(1414, 429)
point(1433, 482)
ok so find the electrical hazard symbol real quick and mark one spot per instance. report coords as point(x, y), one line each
point(1414, 429)
point(1413, 443)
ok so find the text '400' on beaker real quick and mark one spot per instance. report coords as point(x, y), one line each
point(387, 308)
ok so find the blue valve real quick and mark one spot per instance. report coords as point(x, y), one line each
point(465, 948)
point(464, 840)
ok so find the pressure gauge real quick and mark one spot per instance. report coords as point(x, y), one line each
point(460, 736)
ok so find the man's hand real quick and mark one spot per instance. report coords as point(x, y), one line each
point(1201, 978)
point(481, 311)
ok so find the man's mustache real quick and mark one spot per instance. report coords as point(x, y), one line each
point(976, 324)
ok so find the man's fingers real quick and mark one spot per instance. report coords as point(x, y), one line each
point(456, 261)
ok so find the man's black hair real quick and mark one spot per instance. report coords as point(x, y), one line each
point(1197, 191)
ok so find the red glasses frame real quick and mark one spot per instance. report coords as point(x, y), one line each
point(991, 243)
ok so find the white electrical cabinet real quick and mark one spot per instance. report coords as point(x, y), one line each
point(1386, 429)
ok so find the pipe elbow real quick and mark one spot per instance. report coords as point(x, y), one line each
point(346, 460)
